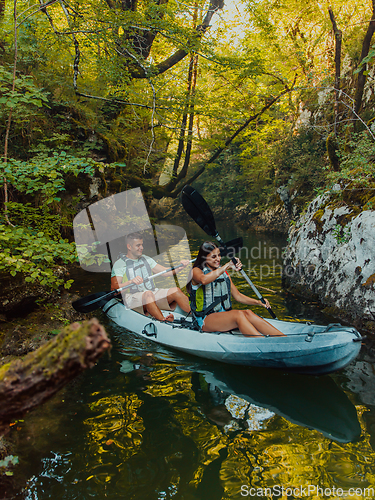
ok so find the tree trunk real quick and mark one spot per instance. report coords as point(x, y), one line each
point(338, 40)
point(9, 121)
point(189, 143)
point(2, 9)
point(361, 75)
point(25, 384)
point(188, 113)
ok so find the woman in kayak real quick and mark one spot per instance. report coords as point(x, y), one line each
point(210, 292)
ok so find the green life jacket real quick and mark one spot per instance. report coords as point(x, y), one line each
point(138, 268)
point(211, 297)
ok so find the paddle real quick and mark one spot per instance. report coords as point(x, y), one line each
point(96, 300)
point(198, 209)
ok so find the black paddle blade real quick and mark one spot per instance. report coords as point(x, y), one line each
point(91, 302)
point(231, 247)
point(198, 209)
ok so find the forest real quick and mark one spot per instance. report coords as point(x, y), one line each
point(241, 98)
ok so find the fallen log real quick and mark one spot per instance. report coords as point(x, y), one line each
point(26, 383)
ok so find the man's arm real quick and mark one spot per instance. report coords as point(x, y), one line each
point(159, 268)
point(116, 282)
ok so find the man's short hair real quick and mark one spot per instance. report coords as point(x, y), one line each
point(133, 236)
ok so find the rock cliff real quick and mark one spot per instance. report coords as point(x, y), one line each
point(330, 257)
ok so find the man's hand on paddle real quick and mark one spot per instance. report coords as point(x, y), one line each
point(137, 280)
point(184, 263)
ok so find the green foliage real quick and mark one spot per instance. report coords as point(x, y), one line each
point(222, 183)
point(39, 219)
point(357, 162)
point(43, 174)
point(35, 255)
point(341, 235)
point(298, 161)
point(366, 60)
point(26, 93)
point(57, 135)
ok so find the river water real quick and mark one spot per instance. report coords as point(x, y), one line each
point(150, 423)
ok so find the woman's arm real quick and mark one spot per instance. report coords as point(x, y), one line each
point(199, 278)
point(244, 299)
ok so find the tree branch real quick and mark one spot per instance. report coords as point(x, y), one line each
point(161, 191)
point(171, 61)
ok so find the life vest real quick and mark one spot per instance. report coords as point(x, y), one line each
point(211, 297)
point(138, 268)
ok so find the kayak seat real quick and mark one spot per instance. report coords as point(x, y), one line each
point(184, 323)
point(230, 332)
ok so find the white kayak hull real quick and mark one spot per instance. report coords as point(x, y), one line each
point(307, 348)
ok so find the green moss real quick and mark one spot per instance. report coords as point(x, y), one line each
point(317, 218)
point(318, 215)
point(4, 369)
point(332, 311)
point(114, 149)
point(355, 199)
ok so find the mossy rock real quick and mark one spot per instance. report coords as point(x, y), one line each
point(81, 182)
point(115, 186)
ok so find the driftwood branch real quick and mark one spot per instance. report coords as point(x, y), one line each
point(25, 384)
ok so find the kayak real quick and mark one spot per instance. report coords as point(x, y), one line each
point(307, 348)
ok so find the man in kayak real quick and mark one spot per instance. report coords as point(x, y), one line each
point(210, 292)
point(144, 297)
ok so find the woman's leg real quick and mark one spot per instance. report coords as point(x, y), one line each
point(262, 325)
point(177, 296)
point(230, 320)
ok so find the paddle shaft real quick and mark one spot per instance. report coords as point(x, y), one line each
point(245, 276)
point(153, 276)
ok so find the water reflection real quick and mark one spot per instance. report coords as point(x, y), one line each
point(316, 403)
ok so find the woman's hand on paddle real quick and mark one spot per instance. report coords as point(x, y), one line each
point(267, 305)
point(236, 267)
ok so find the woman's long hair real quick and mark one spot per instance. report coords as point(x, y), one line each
point(205, 249)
